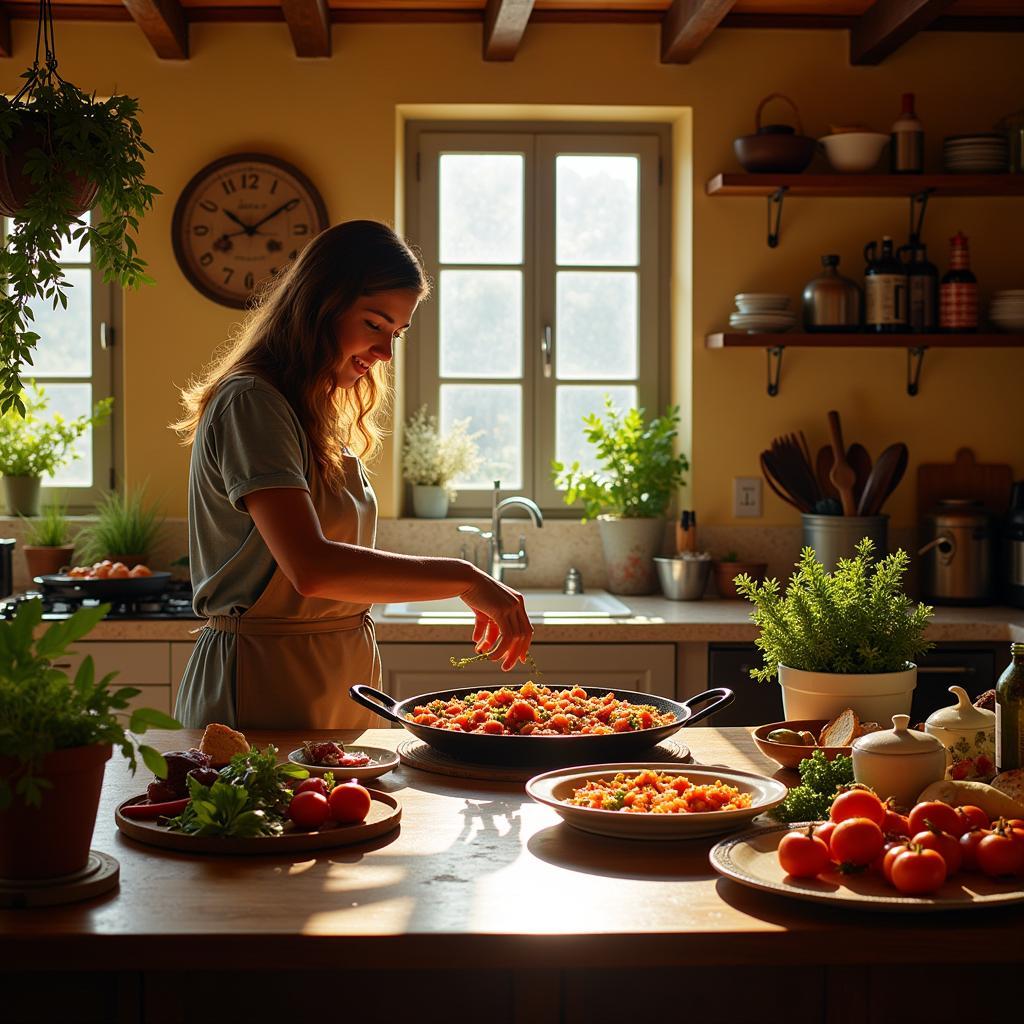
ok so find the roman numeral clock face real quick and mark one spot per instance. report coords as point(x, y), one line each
point(241, 220)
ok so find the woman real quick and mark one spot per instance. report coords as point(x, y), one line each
point(282, 518)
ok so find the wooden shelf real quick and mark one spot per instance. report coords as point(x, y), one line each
point(816, 340)
point(878, 185)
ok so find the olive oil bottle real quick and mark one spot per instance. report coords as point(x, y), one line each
point(1010, 713)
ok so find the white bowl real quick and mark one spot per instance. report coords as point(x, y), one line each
point(381, 762)
point(754, 302)
point(851, 152)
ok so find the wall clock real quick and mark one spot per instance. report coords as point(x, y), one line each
point(240, 220)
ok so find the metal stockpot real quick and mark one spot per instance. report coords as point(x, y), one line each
point(958, 553)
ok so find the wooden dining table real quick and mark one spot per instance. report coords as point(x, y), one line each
point(482, 905)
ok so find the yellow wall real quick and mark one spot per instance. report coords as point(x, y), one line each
point(243, 89)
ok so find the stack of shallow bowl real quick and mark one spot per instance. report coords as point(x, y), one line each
point(1006, 310)
point(762, 312)
point(984, 153)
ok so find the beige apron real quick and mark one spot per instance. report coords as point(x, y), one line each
point(296, 656)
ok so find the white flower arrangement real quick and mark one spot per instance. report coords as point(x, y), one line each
point(431, 460)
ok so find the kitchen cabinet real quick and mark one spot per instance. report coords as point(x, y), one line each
point(144, 664)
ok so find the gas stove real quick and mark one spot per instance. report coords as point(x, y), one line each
point(174, 603)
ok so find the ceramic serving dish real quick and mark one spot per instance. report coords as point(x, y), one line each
point(382, 761)
point(899, 762)
point(789, 755)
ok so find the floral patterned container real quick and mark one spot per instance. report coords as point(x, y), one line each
point(969, 736)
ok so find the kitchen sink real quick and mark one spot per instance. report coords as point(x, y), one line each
point(539, 604)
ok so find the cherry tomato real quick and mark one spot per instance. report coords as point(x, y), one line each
point(878, 864)
point(947, 846)
point(917, 872)
point(896, 824)
point(313, 785)
point(802, 854)
point(974, 817)
point(824, 832)
point(857, 803)
point(856, 842)
point(999, 854)
point(890, 857)
point(936, 814)
point(309, 809)
point(349, 803)
point(969, 848)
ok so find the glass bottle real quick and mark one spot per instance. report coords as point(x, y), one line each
point(922, 287)
point(906, 149)
point(958, 290)
point(1010, 713)
point(885, 289)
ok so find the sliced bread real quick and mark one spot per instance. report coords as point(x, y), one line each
point(841, 731)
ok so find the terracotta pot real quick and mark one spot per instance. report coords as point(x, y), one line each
point(726, 572)
point(44, 561)
point(53, 839)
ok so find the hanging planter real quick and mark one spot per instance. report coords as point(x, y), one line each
point(62, 152)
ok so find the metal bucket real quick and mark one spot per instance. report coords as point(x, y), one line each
point(835, 537)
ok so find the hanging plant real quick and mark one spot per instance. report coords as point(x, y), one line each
point(62, 152)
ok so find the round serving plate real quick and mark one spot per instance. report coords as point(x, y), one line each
point(382, 761)
point(752, 860)
point(384, 816)
point(554, 788)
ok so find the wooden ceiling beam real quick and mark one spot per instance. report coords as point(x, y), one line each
point(309, 22)
point(887, 24)
point(504, 24)
point(163, 24)
point(686, 26)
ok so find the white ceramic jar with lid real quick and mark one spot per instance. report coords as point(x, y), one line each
point(898, 762)
point(969, 736)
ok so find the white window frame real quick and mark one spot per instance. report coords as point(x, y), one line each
point(540, 142)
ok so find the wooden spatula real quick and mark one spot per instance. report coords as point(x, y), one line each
point(822, 469)
point(857, 456)
point(843, 476)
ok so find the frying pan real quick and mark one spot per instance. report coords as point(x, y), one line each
point(60, 585)
point(561, 751)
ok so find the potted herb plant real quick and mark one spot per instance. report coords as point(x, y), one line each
point(124, 531)
point(842, 639)
point(630, 492)
point(47, 542)
point(430, 462)
point(728, 567)
point(56, 736)
point(34, 445)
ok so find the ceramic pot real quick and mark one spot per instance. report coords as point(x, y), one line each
point(899, 762)
point(726, 573)
point(629, 548)
point(22, 494)
point(429, 502)
point(45, 561)
point(969, 736)
point(53, 839)
point(875, 697)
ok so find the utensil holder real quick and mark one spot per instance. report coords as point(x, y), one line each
point(835, 537)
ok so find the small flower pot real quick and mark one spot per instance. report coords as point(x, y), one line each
point(22, 494)
point(45, 561)
point(429, 502)
point(725, 577)
point(629, 548)
point(874, 696)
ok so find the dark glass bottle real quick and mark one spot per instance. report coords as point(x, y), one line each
point(958, 290)
point(906, 146)
point(1010, 713)
point(885, 289)
point(922, 288)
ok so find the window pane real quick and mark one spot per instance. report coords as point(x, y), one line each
point(571, 405)
point(64, 348)
point(481, 208)
point(597, 210)
point(481, 323)
point(596, 325)
point(497, 410)
point(71, 401)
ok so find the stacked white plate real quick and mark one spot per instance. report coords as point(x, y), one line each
point(1006, 310)
point(986, 153)
point(762, 312)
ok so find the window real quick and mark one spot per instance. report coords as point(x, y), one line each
point(545, 248)
point(73, 364)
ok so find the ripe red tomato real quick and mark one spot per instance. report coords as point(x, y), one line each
point(974, 817)
point(935, 814)
point(309, 809)
point(1000, 854)
point(947, 846)
point(857, 803)
point(896, 824)
point(890, 857)
point(917, 872)
point(969, 848)
point(349, 803)
point(313, 785)
point(802, 854)
point(856, 842)
point(824, 832)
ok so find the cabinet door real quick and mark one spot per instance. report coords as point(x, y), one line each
point(145, 664)
point(756, 703)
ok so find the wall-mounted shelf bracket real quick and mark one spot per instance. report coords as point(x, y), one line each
point(774, 368)
point(918, 206)
point(915, 359)
point(775, 199)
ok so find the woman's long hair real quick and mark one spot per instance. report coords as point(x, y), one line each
point(289, 340)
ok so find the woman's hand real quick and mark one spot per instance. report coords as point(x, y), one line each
point(502, 628)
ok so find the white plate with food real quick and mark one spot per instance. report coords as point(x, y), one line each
point(344, 760)
point(603, 799)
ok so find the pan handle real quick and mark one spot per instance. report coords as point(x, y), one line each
point(376, 700)
point(720, 697)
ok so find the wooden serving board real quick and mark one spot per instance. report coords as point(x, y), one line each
point(964, 478)
point(385, 815)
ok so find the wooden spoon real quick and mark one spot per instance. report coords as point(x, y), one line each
point(885, 475)
point(822, 469)
point(857, 456)
point(843, 475)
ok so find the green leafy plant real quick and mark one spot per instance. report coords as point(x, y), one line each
point(124, 526)
point(639, 471)
point(34, 444)
point(820, 781)
point(50, 530)
point(42, 709)
point(855, 619)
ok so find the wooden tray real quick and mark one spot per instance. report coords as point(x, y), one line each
point(752, 860)
point(990, 483)
point(385, 814)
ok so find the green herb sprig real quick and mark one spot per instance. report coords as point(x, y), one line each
point(460, 663)
point(820, 780)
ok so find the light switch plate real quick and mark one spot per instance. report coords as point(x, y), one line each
point(746, 496)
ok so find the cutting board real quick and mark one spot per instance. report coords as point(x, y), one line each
point(964, 478)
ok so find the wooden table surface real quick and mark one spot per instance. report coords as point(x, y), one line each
point(478, 874)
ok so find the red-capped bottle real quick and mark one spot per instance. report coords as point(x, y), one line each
point(958, 290)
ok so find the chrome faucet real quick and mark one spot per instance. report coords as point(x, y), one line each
point(497, 559)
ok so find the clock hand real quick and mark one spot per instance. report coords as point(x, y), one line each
point(249, 229)
point(290, 205)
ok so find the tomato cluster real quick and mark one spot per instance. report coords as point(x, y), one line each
point(314, 804)
point(915, 853)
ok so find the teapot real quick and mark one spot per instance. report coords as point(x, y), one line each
point(969, 736)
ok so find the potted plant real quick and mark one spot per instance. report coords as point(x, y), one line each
point(61, 152)
point(124, 531)
point(630, 492)
point(57, 735)
point(430, 461)
point(47, 542)
point(842, 639)
point(34, 445)
point(728, 567)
